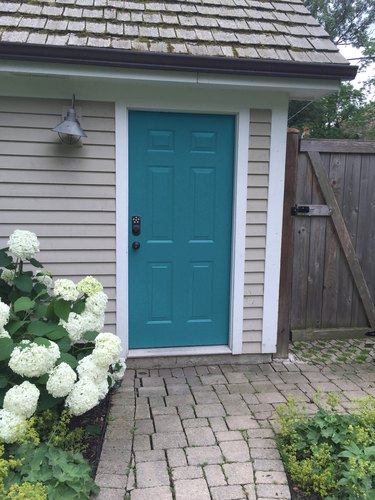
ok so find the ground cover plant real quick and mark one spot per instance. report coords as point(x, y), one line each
point(56, 364)
point(329, 454)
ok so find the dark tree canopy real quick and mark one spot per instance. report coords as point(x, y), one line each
point(346, 21)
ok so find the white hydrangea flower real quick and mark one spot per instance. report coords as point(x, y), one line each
point(89, 286)
point(65, 289)
point(4, 314)
point(96, 304)
point(45, 279)
point(107, 349)
point(4, 334)
point(118, 370)
point(92, 321)
point(83, 396)
point(33, 360)
point(103, 387)
point(8, 276)
point(61, 380)
point(22, 399)
point(12, 427)
point(87, 369)
point(23, 244)
point(75, 326)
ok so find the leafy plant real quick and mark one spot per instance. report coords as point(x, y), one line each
point(330, 453)
point(65, 474)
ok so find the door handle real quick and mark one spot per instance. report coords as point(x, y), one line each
point(136, 245)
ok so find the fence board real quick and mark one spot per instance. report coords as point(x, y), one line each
point(333, 257)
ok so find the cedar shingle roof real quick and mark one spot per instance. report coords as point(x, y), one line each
point(255, 29)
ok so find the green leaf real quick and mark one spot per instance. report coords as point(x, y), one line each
point(90, 335)
point(40, 328)
point(3, 381)
point(79, 306)
point(93, 429)
point(24, 283)
point(5, 259)
point(58, 333)
point(47, 401)
point(40, 310)
point(69, 359)
point(6, 348)
point(64, 344)
point(23, 304)
point(35, 263)
point(14, 326)
point(43, 379)
point(42, 341)
point(62, 309)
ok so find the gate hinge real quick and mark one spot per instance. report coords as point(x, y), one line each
point(311, 210)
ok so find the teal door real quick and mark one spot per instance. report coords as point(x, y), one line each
point(180, 211)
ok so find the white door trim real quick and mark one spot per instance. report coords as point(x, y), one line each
point(238, 231)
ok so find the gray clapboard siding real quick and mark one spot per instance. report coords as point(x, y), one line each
point(256, 227)
point(66, 195)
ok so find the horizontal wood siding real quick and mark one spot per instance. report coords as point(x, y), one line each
point(256, 226)
point(65, 194)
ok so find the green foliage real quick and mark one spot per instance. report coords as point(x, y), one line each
point(65, 474)
point(329, 453)
point(343, 115)
point(347, 21)
point(26, 491)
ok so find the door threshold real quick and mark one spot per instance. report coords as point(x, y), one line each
point(179, 351)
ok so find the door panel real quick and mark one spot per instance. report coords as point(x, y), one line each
point(180, 185)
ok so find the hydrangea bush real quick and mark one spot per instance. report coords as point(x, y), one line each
point(52, 348)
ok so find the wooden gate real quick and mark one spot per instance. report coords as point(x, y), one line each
point(328, 259)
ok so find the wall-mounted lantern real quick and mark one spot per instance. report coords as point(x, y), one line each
point(69, 129)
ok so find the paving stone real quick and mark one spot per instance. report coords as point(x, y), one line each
point(152, 391)
point(250, 491)
point(273, 491)
point(145, 426)
point(159, 493)
point(141, 443)
point(214, 475)
point(167, 423)
point(263, 387)
point(202, 437)
point(229, 436)
point(237, 423)
point(164, 410)
point(236, 408)
point(149, 456)
point(166, 440)
point(117, 481)
point(186, 411)
point(260, 433)
point(218, 424)
point(234, 492)
point(110, 494)
point(241, 388)
point(325, 387)
point(250, 399)
point(195, 422)
point(261, 443)
point(179, 400)
point(176, 458)
point(209, 410)
point(204, 397)
point(204, 455)
point(271, 477)
point(239, 473)
point(213, 379)
point(235, 451)
point(236, 378)
point(271, 397)
point(151, 474)
point(188, 489)
point(267, 453)
point(178, 389)
point(189, 472)
point(265, 465)
point(152, 381)
point(142, 411)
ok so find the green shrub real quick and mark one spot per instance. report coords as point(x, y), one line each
point(329, 453)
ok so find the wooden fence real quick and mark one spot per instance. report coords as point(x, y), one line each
point(328, 256)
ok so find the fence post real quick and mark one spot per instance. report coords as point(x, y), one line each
point(285, 293)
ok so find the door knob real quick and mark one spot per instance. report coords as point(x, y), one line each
point(136, 245)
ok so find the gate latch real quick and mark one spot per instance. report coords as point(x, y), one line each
point(311, 210)
point(300, 210)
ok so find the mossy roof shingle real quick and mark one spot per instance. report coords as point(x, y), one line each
point(279, 31)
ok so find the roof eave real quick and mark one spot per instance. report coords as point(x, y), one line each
point(174, 62)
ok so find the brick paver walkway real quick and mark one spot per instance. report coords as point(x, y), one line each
point(207, 432)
